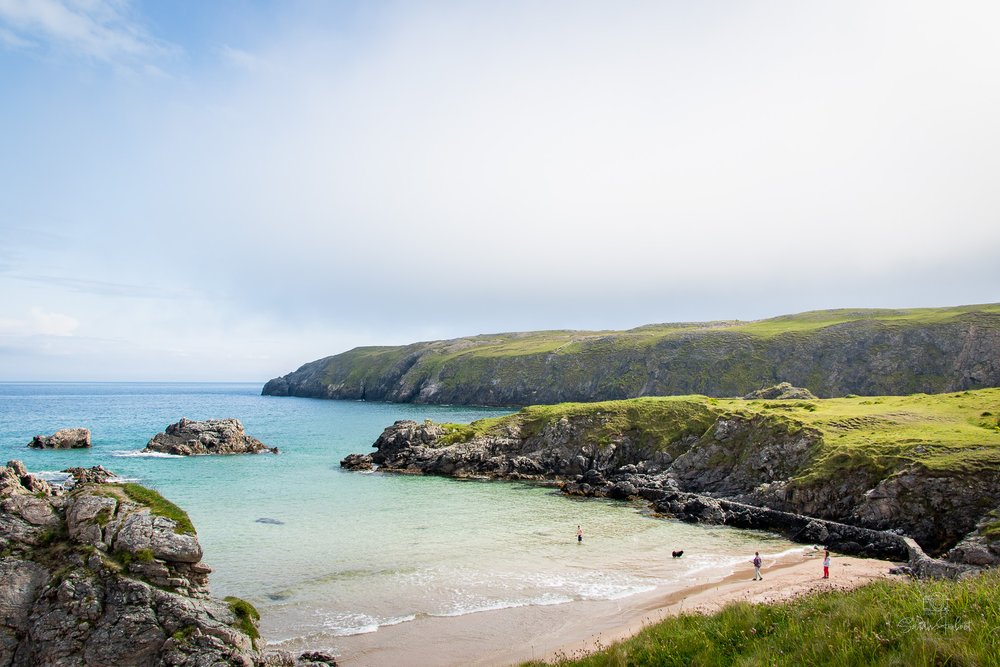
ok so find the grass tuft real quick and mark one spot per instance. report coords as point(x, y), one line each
point(159, 505)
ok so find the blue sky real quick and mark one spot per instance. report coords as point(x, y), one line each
point(225, 190)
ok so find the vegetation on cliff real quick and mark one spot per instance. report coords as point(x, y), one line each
point(885, 623)
point(831, 353)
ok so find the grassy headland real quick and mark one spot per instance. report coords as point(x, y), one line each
point(956, 432)
point(832, 353)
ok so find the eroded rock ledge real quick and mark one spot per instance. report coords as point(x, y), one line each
point(738, 471)
point(110, 574)
point(213, 436)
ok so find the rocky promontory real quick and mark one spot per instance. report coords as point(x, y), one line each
point(111, 574)
point(924, 466)
point(64, 438)
point(214, 436)
point(829, 353)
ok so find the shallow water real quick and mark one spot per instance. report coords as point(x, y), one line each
point(326, 554)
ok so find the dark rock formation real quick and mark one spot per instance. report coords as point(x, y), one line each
point(783, 391)
point(93, 577)
point(64, 438)
point(214, 436)
point(831, 353)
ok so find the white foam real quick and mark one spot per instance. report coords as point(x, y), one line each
point(346, 624)
point(464, 609)
point(140, 454)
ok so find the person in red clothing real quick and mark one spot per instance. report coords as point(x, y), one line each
point(826, 565)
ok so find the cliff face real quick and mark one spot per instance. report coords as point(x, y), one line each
point(102, 576)
point(831, 353)
point(854, 461)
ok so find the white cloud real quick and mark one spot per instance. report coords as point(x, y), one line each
point(101, 29)
point(40, 323)
point(243, 59)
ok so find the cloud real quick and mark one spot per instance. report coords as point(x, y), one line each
point(243, 59)
point(40, 323)
point(104, 30)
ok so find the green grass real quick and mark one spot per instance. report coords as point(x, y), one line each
point(887, 623)
point(246, 616)
point(160, 506)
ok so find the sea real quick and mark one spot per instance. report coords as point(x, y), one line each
point(326, 554)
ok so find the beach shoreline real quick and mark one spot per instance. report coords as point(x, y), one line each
point(504, 637)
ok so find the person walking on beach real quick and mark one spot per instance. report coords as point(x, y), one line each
point(757, 562)
point(579, 535)
point(826, 565)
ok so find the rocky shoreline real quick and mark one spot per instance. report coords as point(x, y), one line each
point(717, 478)
point(111, 574)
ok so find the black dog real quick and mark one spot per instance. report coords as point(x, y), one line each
point(677, 554)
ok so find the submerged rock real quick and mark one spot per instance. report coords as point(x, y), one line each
point(214, 436)
point(64, 438)
point(98, 577)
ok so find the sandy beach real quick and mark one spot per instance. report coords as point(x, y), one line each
point(510, 636)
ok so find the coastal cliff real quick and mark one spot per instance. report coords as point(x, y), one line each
point(111, 574)
point(831, 353)
point(927, 466)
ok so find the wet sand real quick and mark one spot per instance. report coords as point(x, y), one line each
point(511, 636)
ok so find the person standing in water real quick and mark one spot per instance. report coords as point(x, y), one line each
point(757, 562)
point(579, 535)
point(826, 565)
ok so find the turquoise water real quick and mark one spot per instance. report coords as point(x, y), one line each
point(340, 553)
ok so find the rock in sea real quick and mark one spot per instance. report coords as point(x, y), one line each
point(213, 436)
point(64, 438)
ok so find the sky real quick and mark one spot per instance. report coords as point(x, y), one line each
point(226, 190)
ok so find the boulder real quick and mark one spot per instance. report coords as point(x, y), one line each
point(214, 436)
point(64, 438)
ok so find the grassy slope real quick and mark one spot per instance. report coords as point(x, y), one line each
point(948, 432)
point(886, 623)
point(478, 354)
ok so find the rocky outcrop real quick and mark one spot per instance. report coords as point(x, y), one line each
point(96, 577)
point(783, 391)
point(64, 438)
point(214, 436)
point(829, 353)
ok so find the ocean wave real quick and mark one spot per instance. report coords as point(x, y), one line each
point(346, 624)
point(464, 609)
point(140, 454)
